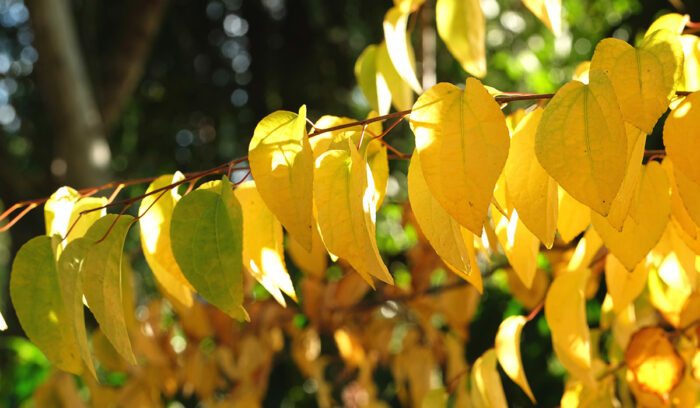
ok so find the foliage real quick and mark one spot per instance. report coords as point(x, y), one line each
point(487, 193)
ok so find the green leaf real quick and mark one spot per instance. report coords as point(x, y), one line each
point(103, 277)
point(206, 234)
point(36, 296)
point(70, 278)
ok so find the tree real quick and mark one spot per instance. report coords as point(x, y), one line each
point(486, 192)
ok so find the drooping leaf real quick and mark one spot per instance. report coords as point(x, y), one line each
point(572, 218)
point(682, 137)
point(343, 193)
point(281, 163)
point(624, 286)
point(388, 78)
point(436, 398)
point(679, 214)
point(70, 270)
point(62, 211)
point(102, 282)
point(653, 360)
point(373, 86)
point(441, 230)
point(206, 238)
point(653, 208)
point(548, 11)
point(673, 22)
point(487, 390)
point(645, 78)
point(462, 140)
point(529, 188)
point(263, 247)
point(586, 250)
point(565, 312)
point(3, 324)
point(38, 302)
point(397, 44)
point(155, 238)
point(461, 25)
point(408, 6)
point(689, 193)
point(691, 67)
point(314, 262)
point(508, 351)
point(519, 244)
point(581, 141)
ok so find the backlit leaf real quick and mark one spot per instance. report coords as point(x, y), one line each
point(530, 189)
point(373, 86)
point(155, 238)
point(653, 360)
point(206, 237)
point(653, 208)
point(343, 193)
point(682, 137)
point(461, 25)
point(691, 67)
point(462, 140)
point(572, 218)
point(508, 351)
point(282, 163)
point(38, 302)
point(314, 262)
point(624, 286)
point(645, 77)
point(62, 211)
point(548, 11)
point(397, 43)
point(565, 312)
point(673, 22)
point(519, 244)
point(388, 78)
point(486, 389)
point(581, 142)
point(689, 193)
point(102, 282)
point(263, 247)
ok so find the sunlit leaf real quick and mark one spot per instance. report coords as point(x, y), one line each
point(263, 247)
point(645, 78)
point(673, 22)
point(155, 238)
point(508, 351)
point(38, 302)
point(656, 365)
point(572, 218)
point(682, 137)
point(397, 44)
point(624, 286)
point(389, 79)
point(529, 188)
point(461, 25)
point(373, 86)
point(343, 193)
point(486, 389)
point(102, 281)
point(581, 142)
point(653, 209)
point(519, 244)
point(206, 237)
point(462, 140)
point(62, 212)
point(548, 11)
point(314, 262)
point(691, 67)
point(565, 312)
point(282, 163)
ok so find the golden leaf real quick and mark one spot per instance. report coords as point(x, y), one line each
point(461, 25)
point(653, 360)
point(508, 351)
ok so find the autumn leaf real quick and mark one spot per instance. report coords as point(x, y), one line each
point(508, 351)
point(624, 286)
point(656, 365)
point(487, 390)
point(548, 11)
point(398, 43)
point(389, 79)
point(682, 137)
point(461, 25)
point(572, 218)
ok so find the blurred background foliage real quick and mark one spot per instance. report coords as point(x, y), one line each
point(214, 69)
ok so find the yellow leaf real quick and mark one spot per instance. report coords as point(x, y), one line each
point(573, 217)
point(263, 247)
point(673, 22)
point(565, 311)
point(389, 79)
point(679, 213)
point(581, 72)
point(691, 68)
point(689, 193)
point(462, 140)
point(373, 86)
point(531, 297)
point(581, 142)
point(624, 286)
point(653, 207)
point(314, 262)
point(644, 78)
point(155, 238)
point(343, 193)
point(586, 250)
point(520, 245)
point(487, 390)
point(623, 200)
point(548, 11)
point(445, 235)
point(338, 140)
point(282, 162)
point(653, 360)
point(682, 137)
point(408, 6)
point(397, 44)
point(530, 189)
point(461, 25)
point(666, 299)
point(508, 351)
point(3, 324)
point(62, 210)
point(436, 398)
